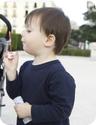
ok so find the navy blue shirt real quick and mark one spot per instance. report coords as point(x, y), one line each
point(49, 88)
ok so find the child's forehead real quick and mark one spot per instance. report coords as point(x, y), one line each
point(34, 20)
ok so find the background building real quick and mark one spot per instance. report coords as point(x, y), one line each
point(16, 11)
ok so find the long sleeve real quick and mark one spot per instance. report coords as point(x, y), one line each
point(61, 91)
point(13, 88)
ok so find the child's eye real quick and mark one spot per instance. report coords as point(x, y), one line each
point(28, 31)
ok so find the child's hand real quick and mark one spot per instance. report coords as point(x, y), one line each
point(10, 60)
point(23, 110)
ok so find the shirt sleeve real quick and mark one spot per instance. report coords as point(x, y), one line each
point(13, 88)
point(61, 91)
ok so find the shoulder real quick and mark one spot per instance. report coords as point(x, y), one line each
point(60, 75)
point(25, 64)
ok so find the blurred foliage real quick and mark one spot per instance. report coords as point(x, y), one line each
point(75, 52)
point(86, 31)
point(91, 16)
point(16, 41)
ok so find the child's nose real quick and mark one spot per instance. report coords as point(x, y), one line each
point(22, 34)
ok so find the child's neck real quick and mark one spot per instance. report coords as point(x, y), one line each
point(44, 58)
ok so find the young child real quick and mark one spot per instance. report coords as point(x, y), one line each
point(47, 89)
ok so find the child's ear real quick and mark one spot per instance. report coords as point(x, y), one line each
point(50, 40)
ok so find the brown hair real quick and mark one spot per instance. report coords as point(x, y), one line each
point(52, 21)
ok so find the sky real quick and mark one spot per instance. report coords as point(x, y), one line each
point(74, 9)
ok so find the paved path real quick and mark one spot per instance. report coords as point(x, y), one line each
point(84, 71)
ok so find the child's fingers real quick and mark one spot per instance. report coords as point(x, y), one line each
point(10, 55)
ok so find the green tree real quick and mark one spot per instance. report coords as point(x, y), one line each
point(90, 16)
point(89, 31)
point(86, 31)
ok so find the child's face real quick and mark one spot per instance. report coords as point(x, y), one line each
point(33, 38)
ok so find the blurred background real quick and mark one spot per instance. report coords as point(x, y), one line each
point(78, 56)
point(82, 16)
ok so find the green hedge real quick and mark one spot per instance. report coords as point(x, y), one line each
point(2, 35)
point(16, 41)
point(75, 52)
